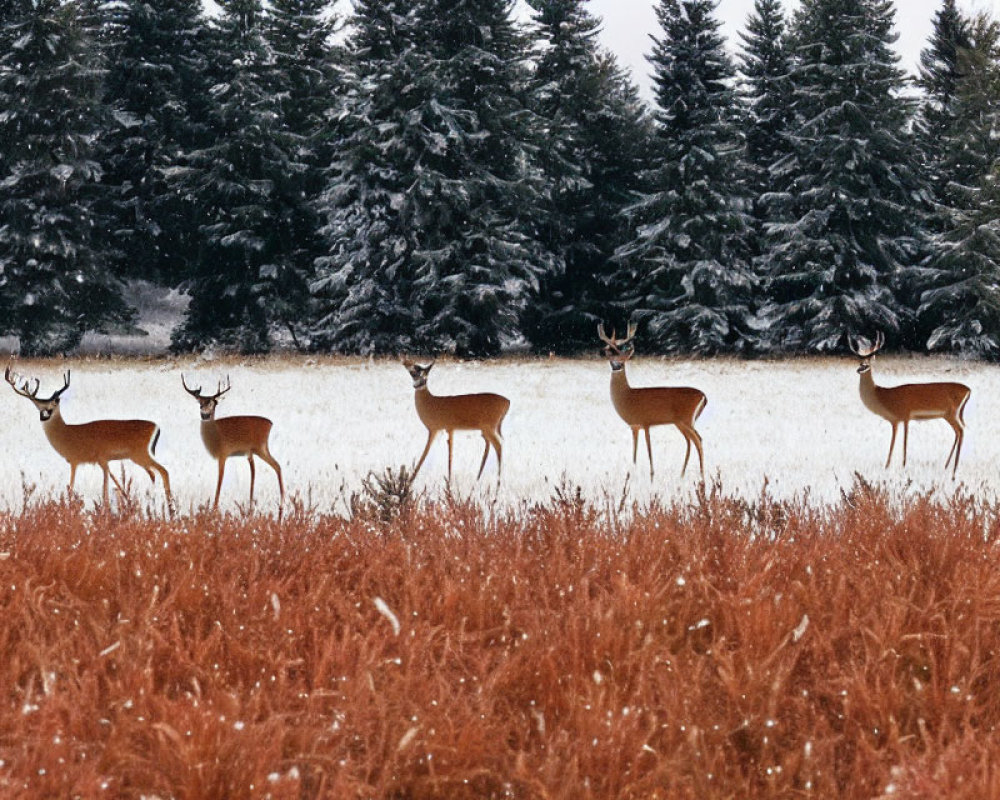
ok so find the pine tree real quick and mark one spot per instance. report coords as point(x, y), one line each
point(54, 285)
point(765, 65)
point(156, 87)
point(595, 142)
point(363, 289)
point(430, 219)
point(846, 225)
point(686, 270)
point(939, 75)
point(243, 286)
point(304, 76)
point(960, 308)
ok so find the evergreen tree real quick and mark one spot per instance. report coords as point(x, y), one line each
point(846, 224)
point(430, 219)
point(245, 182)
point(596, 137)
point(960, 308)
point(364, 288)
point(54, 285)
point(686, 270)
point(156, 87)
point(939, 75)
point(304, 77)
point(765, 65)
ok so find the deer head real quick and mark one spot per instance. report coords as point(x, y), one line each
point(46, 406)
point(207, 402)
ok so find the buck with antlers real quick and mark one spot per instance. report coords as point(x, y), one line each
point(98, 442)
point(912, 401)
point(662, 405)
point(464, 412)
point(234, 436)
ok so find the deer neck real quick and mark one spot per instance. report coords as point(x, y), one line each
point(870, 394)
point(210, 435)
point(619, 385)
point(56, 431)
point(424, 400)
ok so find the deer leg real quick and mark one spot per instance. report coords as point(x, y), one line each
point(107, 472)
point(253, 476)
point(486, 452)
point(431, 436)
point(218, 485)
point(906, 438)
point(892, 443)
point(72, 477)
point(693, 436)
point(687, 452)
point(268, 458)
point(492, 437)
point(635, 444)
point(649, 450)
point(451, 443)
point(956, 446)
point(152, 464)
point(118, 486)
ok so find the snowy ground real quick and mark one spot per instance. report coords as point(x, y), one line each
point(798, 423)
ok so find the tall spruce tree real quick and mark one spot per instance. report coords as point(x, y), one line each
point(54, 284)
point(960, 308)
point(245, 285)
point(363, 288)
point(156, 87)
point(765, 66)
point(939, 75)
point(304, 76)
point(846, 225)
point(431, 217)
point(595, 142)
point(686, 270)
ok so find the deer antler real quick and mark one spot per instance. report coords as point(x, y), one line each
point(193, 392)
point(65, 385)
point(223, 389)
point(12, 377)
point(612, 341)
point(870, 351)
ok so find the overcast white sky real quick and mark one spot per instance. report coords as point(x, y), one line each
point(629, 23)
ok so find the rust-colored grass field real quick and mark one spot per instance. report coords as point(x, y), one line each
point(717, 649)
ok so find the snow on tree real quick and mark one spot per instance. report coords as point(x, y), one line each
point(363, 288)
point(304, 75)
point(593, 141)
point(939, 75)
point(686, 270)
point(960, 307)
point(846, 225)
point(245, 183)
point(430, 212)
point(155, 86)
point(54, 285)
point(765, 66)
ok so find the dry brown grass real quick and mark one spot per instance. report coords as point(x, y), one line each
point(722, 649)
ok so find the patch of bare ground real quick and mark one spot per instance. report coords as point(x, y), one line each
point(714, 649)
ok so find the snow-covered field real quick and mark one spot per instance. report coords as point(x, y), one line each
point(799, 424)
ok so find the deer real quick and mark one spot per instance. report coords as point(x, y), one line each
point(911, 401)
point(98, 442)
point(234, 436)
point(642, 408)
point(482, 412)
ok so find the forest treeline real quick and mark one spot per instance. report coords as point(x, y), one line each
point(438, 176)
